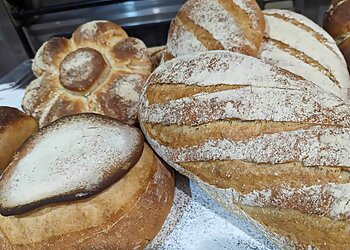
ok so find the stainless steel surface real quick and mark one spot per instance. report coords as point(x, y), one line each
point(128, 14)
point(12, 51)
point(17, 78)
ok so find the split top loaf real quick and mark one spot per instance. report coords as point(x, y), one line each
point(100, 69)
point(262, 141)
point(297, 44)
point(200, 25)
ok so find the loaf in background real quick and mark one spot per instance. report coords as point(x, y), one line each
point(297, 44)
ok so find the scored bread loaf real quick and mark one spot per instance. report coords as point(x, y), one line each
point(337, 23)
point(200, 25)
point(263, 142)
point(15, 128)
point(84, 182)
point(295, 43)
point(100, 70)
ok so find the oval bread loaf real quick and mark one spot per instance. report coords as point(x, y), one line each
point(297, 44)
point(263, 142)
point(337, 23)
point(100, 70)
point(200, 25)
point(15, 128)
point(84, 182)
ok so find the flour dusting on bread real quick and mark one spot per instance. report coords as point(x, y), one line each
point(76, 156)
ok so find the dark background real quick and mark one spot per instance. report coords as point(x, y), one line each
point(26, 24)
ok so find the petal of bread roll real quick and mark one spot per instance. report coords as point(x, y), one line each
point(297, 44)
point(202, 25)
point(263, 142)
point(74, 71)
point(15, 128)
point(126, 212)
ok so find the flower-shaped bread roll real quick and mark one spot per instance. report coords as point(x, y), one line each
point(100, 70)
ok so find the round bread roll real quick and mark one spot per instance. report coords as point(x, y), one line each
point(99, 70)
point(201, 25)
point(15, 128)
point(265, 143)
point(84, 182)
point(297, 44)
point(337, 23)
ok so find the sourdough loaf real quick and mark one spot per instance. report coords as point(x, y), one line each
point(84, 182)
point(15, 128)
point(265, 143)
point(100, 70)
point(337, 24)
point(200, 25)
point(295, 43)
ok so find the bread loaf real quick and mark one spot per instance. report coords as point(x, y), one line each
point(15, 128)
point(337, 24)
point(200, 25)
point(100, 70)
point(84, 182)
point(263, 142)
point(295, 43)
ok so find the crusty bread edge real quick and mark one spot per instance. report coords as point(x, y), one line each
point(162, 174)
point(222, 197)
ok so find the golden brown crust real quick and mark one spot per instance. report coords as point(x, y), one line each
point(125, 216)
point(318, 232)
point(177, 137)
point(81, 78)
point(98, 33)
point(74, 72)
point(128, 86)
point(50, 55)
point(345, 49)
point(337, 23)
point(337, 19)
point(237, 174)
point(15, 128)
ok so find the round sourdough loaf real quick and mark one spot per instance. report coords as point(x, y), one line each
point(297, 44)
point(15, 128)
point(100, 70)
point(84, 182)
point(200, 25)
point(337, 23)
point(265, 143)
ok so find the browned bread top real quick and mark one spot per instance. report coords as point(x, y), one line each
point(9, 115)
point(72, 158)
point(337, 24)
point(200, 25)
point(15, 128)
point(337, 20)
point(100, 69)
